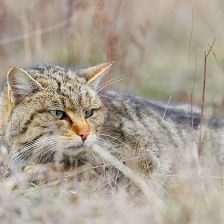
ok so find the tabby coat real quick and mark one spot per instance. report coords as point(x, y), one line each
point(51, 114)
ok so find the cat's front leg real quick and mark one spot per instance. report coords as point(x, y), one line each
point(42, 173)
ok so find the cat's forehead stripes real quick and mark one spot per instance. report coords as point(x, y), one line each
point(66, 84)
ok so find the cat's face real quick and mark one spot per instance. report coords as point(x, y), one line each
point(52, 110)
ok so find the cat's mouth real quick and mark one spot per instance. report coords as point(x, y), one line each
point(79, 145)
point(74, 147)
point(71, 145)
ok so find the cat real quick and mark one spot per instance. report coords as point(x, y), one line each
point(53, 114)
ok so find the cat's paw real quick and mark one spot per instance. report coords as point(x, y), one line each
point(41, 173)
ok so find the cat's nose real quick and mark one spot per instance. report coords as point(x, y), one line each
point(83, 135)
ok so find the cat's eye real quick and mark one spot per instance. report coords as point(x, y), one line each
point(88, 113)
point(57, 113)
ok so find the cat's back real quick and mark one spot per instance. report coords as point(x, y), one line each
point(140, 109)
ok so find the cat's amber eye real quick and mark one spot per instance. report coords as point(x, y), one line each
point(88, 113)
point(57, 113)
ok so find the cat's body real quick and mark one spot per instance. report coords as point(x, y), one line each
point(158, 134)
point(57, 111)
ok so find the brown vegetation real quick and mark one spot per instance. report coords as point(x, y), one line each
point(154, 45)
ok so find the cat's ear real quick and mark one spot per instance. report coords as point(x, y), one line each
point(94, 74)
point(20, 84)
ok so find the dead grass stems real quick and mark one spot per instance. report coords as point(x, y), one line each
point(206, 55)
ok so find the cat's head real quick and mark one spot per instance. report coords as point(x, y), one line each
point(51, 109)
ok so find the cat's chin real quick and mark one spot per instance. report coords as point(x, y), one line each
point(75, 150)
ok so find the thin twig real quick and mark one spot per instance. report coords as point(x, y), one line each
point(203, 96)
point(192, 92)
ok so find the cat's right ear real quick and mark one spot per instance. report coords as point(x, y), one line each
point(20, 84)
point(94, 74)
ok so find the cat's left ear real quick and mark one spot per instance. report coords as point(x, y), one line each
point(94, 74)
point(20, 84)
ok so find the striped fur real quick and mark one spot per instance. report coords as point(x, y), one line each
point(145, 135)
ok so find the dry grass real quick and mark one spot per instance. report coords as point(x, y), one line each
point(154, 44)
point(87, 197)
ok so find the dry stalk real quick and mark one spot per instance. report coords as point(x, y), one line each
point(135, 177)
point(192, 92)
point(203, 97)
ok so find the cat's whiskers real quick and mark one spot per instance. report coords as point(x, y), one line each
point(48, 154)
point(37, 148)
point(123, 158)
point(32, 150)
point(110, 147)
point(103, 85)
point(74, 173)
point(42, 148)
point(42, 153)
point(23, 157)
point(112, 137)
point(109, 84)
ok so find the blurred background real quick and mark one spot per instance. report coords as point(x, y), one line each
point(158, 45)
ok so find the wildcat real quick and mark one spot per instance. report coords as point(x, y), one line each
point(52, 114)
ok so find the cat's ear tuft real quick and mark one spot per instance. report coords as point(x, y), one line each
point(94, 74)
point(20, 84)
